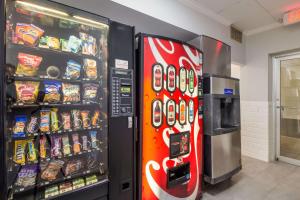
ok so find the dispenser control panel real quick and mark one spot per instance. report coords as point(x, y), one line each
point(121, 92)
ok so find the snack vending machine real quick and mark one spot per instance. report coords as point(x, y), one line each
point(55, 101)
point(170, 114)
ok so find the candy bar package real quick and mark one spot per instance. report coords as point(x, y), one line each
point(56, 146)
point(53, 43)
point(45, 120)
point(91, 179)
point(78, 183)
point(52, 91)
point(43, 147)
point(92, 47)
point(76, 119)
point(19, 152)
point(85, 118)
point(54, 119)
point(66, 120)
point(66, 145)
point(19, 128)
point(74, 44)
point(76, 144)
point(90, 69)
point(94, 140)
point(27, 91)
point(95, 118)
point(28, 65)
point(31, 151)
point(33, 125)
point(84, 43)
point(28, 33)
point(27, 176)
point(73, 166)
point(51, 191)
point(65, 187)
point(90, 91)
point(50, 170)
point(72, 70)
point(71, 92)
point(85, 143)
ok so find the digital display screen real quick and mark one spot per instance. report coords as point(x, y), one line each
point(125, 90)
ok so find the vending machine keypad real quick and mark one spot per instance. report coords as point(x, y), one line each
point(121, 92)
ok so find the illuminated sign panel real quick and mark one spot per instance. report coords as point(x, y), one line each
point(291, 17)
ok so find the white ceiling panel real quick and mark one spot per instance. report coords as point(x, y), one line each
point(218, 5)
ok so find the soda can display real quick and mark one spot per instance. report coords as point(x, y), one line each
point(182, 79)
point(157, 110)
point(191, 111)
point(191, 80)
point(171, 78)
point(182, 112)
point(171, 112)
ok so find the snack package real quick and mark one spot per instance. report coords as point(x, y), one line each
point(65, 187)
point(94, 140)
point(53, 42)
point(19, 128)
point(85, 145)
point(73, 70)
point(51, 170)
point(27, 176)
point(90, 91)
point(66, 145)
point(95, 118)
point(51, 191)
point(91, 179)
point(19, 152)
point(31, 151)
point(92, 160)
point(84, 43)
point(43, 146)
point(72, 167)
point(45, 121)
point(27, 91)
point(52, 91)
point(85, 118)
point(76, 144)
point(64, 45)
point(71, 92)
point(28, 65)
point(28, 33)
point(66, 120)
point(56, 146)
point(74, 44)
point(92, 47)
point(90, 68)
point(43, 43)
point(54, 119)
point(78, 183)
point(76, 119)
point(33, 125)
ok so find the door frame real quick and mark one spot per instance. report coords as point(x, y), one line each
point(276, 60)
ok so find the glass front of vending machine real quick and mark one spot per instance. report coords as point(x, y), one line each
point(55, 101)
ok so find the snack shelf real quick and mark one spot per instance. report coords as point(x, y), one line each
point(21, 47)
point(61, 132)
point(83, 189)
point(22, 105)
point(42, 78)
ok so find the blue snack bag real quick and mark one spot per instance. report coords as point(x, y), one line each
point(52, 91)
point(73, 69)
point(19, 128)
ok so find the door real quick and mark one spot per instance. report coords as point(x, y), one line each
point(287, 78)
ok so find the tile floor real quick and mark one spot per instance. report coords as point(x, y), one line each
point(259, 180)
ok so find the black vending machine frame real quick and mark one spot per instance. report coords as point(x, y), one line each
point(111, 189)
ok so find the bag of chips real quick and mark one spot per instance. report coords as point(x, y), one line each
point(71, 92)
point(28, 33)
point(52, 91)
point(27, 176)
point(27, 91)
point(90, 68)
point(45, 121)
point(20, 124)
point(64, 45)
point(73, 166)
point(74, 44)
point(53, 42)
point(28, 65)
point(90, 92)
point(51, 170)
point(73, 70)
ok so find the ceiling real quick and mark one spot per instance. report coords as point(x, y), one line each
point(249, 16)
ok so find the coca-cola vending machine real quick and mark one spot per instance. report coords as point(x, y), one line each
point(170, 119)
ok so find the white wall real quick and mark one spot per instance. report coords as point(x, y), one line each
point(256, 89)
point(175, 13)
